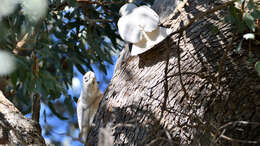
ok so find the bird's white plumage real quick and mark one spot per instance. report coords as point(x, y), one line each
point(80, 113)
point(145, 18)
point(128, 30)
point(140, 26)
point(155, 37)
point(134, 20)
point(87, 104)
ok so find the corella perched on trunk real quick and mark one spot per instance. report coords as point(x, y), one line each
point(87, 104)
point(140, 26)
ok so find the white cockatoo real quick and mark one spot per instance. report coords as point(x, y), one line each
point(88, 103)
point(140, 26)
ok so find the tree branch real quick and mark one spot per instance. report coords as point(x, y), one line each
point(99, 2)
point(36, 107)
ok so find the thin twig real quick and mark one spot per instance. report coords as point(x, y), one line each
point(99, 2)
point(220, 67)
point(97, 20)
point(238, 140)
point(238, 122)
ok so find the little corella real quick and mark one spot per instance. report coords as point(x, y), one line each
point(140, 26)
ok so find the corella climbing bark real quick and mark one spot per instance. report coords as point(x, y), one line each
point(87, 104)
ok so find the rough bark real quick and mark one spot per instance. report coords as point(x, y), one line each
point(188, 90)
point(16, 129)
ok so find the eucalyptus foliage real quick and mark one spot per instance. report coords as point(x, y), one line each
point(245, 19)
point(49, 42)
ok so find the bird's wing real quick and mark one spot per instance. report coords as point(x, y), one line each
point(79, 113)
point(136, 50)
point(128, 29)
point(155, 37)
point(83, 119)
point(146, 18)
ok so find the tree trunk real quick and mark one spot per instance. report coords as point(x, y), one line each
point(16, 129)
point(192, 89)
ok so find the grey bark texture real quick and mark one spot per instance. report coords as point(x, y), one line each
point(164, 8)
point(16, 129)
point(188, 90)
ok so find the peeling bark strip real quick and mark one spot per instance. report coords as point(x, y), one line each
point(186, 99)
point(15, 129)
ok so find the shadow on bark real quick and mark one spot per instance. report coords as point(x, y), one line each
point(193, 89)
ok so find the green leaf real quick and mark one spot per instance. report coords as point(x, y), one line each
point(229, 19)
point(250, 5)
point(256, 14)
point(72, 2)
point(42, 88)
point(234, 17)
point(257, 42)
point(249, 19)
point(13, 77)
point(257, 66)
point(22, 63)
point(239, 46)
point(81, 69)
point(102, 67)
point(251, 58)
point(51, 106)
